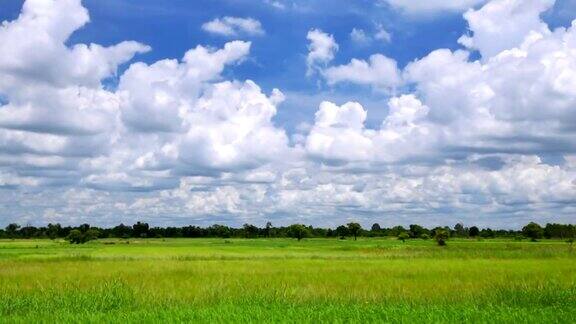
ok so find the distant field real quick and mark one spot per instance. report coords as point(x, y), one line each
point(282, 280)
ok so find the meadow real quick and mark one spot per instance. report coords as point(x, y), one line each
point(285, 280)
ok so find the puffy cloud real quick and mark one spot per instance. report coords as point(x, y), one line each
point(321, 50)
point(156, 96)
point(504, 24)
point(432, 6)
point(34, 51)
point(338, 133)
point(466, 141)
point(234, 26)
point(379, 72)
point(165, 120)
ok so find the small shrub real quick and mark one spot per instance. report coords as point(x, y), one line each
point(441, 237)
point(403, 236)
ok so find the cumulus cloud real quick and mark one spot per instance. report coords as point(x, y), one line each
point(177, 142)
point(502, 25)
point(321, 50)
point(379, 71)
point(167, 119)
point(234, 26)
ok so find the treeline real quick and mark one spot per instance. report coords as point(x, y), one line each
point(85, 232)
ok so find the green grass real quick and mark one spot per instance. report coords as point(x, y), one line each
point(281, 280)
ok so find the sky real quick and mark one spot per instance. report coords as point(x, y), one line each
point(319, 112)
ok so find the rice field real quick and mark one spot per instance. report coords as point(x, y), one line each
point(283, 280)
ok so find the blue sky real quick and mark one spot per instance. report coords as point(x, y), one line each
point(431, 121)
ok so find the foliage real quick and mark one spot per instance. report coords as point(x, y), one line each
point(533, 231)
point(474, 231)
point(441, 236)
point(144, 230)
point(354, 229)
point(298, 231)
point(76, 236)
point(403, 236)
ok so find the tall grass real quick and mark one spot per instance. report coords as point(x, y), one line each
point(287, 281)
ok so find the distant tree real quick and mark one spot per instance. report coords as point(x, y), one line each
point(403, 236)
point(354, 229)
point(460, 230)
point(376, 228)
point(12, 230)
point(84, 227)
point(122, 231)
point(441, 236)
point(533, 231)
point(298, 231)
point(52, 230)
point(417, 231)
point(220, 231)
point(140, 229)
point(91, 234)
point(342, 231)
point(487, 233)
point(268, 229)
point(474, 231)
point(396, 230)
point(75, 237)
point(425, 236)
point(250, 230)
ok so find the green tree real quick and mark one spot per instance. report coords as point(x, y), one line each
point(460, 230)
point(533, 231)
point(91, 234)
point(298, 231)
point(140, 229)
point(75, 237)
point(268, 229)
point(441, 236)
point(342, 231)
point(354, 229)
point(376, 229)
point(12, 230)
point(417, 230)
point(53, 230)
point(250, 230)
point(403, 236)
point(474, 231)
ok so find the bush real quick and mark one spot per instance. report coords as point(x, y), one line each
point(533, 231)
point(403, 236)
point(78, 237)
point(441, 237)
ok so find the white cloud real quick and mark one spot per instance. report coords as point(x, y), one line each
point(382, 34)
point(432, 6)
point(380, 72)
point(321, 50)
point(276, 4)
point(504, 24)
point(234, 26)
point(361, 37)
point(466, 140)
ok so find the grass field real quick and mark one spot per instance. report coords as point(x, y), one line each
point(282, 280)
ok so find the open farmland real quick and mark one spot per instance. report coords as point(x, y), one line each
point(283, 280)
